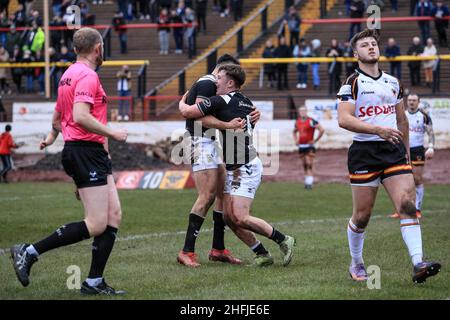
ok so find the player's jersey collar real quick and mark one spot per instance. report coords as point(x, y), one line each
point(368, 75)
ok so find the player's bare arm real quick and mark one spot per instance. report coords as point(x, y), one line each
point(82, 116)
point(348, 121)
point(429, 154)
point(403, 124)
point(321, 132)
point(53, 134)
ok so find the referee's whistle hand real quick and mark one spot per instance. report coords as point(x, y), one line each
point(120, 135)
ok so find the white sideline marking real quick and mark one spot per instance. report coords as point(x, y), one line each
point(281, 223)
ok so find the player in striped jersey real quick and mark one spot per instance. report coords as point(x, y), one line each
point(371, 106)
point(419, 124)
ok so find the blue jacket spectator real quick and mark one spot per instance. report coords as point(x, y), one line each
point(424, 8)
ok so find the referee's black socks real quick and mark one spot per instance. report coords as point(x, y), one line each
point(65, 235)
point(195, 223)
point(101, 249)
point(219, 231)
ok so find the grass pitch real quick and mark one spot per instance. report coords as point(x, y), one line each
point(143, 261)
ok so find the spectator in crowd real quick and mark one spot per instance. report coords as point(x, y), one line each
point(122, 6)
point(16, 73)
point(39, 72)
point(36, 38)
point(118, 22)
point(237, 6)
point(20, 18)
point(357, 8)
point(428, 65)
point(4, 23)
point(176, 16)
point(393, 50)
point(28, 72)
point(223, 8)
point(200, 9)
point(440, 12)
point(13, 39)
point(190, 33)
point(35, 17)
point(163, 32)
point(3, 114)
point(302, 50)
point(153, 10)
point(416, 49)
point(144, 9)
point(424, 8)
point(57, 36)
point(124, 90)
point(394, 5)
point(334, 68)
point(293, 21)
point(56, 8)
point(350, 66)
point(283, 51)
point(87, 18)
point(270, 68)
point(6, 145)
point(316, 46)
point(4, 57)
point(4, 7)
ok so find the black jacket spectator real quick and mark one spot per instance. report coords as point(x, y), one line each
point(270, 68)
point(414, 66)
point(334, 68)
point(283, 51)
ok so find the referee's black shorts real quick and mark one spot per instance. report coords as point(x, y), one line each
point(87, 163)
point(370, 162)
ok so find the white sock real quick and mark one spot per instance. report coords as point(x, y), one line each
point(94, 281)
point(309, 180)
point(413, 239)
point(355, 242)
point(419, 196)
point(31, 250)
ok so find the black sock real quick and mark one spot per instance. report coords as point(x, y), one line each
point(65, 235)
point(101, 248)
point(195, 223)
point(260, 249)
point(219, 231)
point(277, 236)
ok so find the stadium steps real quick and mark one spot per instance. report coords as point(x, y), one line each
point(168, 110)
point(340, 31)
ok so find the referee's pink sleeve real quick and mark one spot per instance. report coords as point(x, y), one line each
point(86, 89)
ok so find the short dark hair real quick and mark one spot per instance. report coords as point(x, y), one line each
point(364, 34)
point(8, 127)
point(227, 58)
point(413, 94)
point(235, 72)
point(85, 39)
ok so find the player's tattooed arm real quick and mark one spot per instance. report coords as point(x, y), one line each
point(429, 154)
point(54, 132)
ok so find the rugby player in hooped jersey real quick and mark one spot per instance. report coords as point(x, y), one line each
point(419, 123)
point(244, 168)
point(371, 106)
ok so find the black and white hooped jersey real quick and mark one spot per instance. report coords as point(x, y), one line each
point(204, 88)
point(374, 98)
point(418, 121)
point(237, 145)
